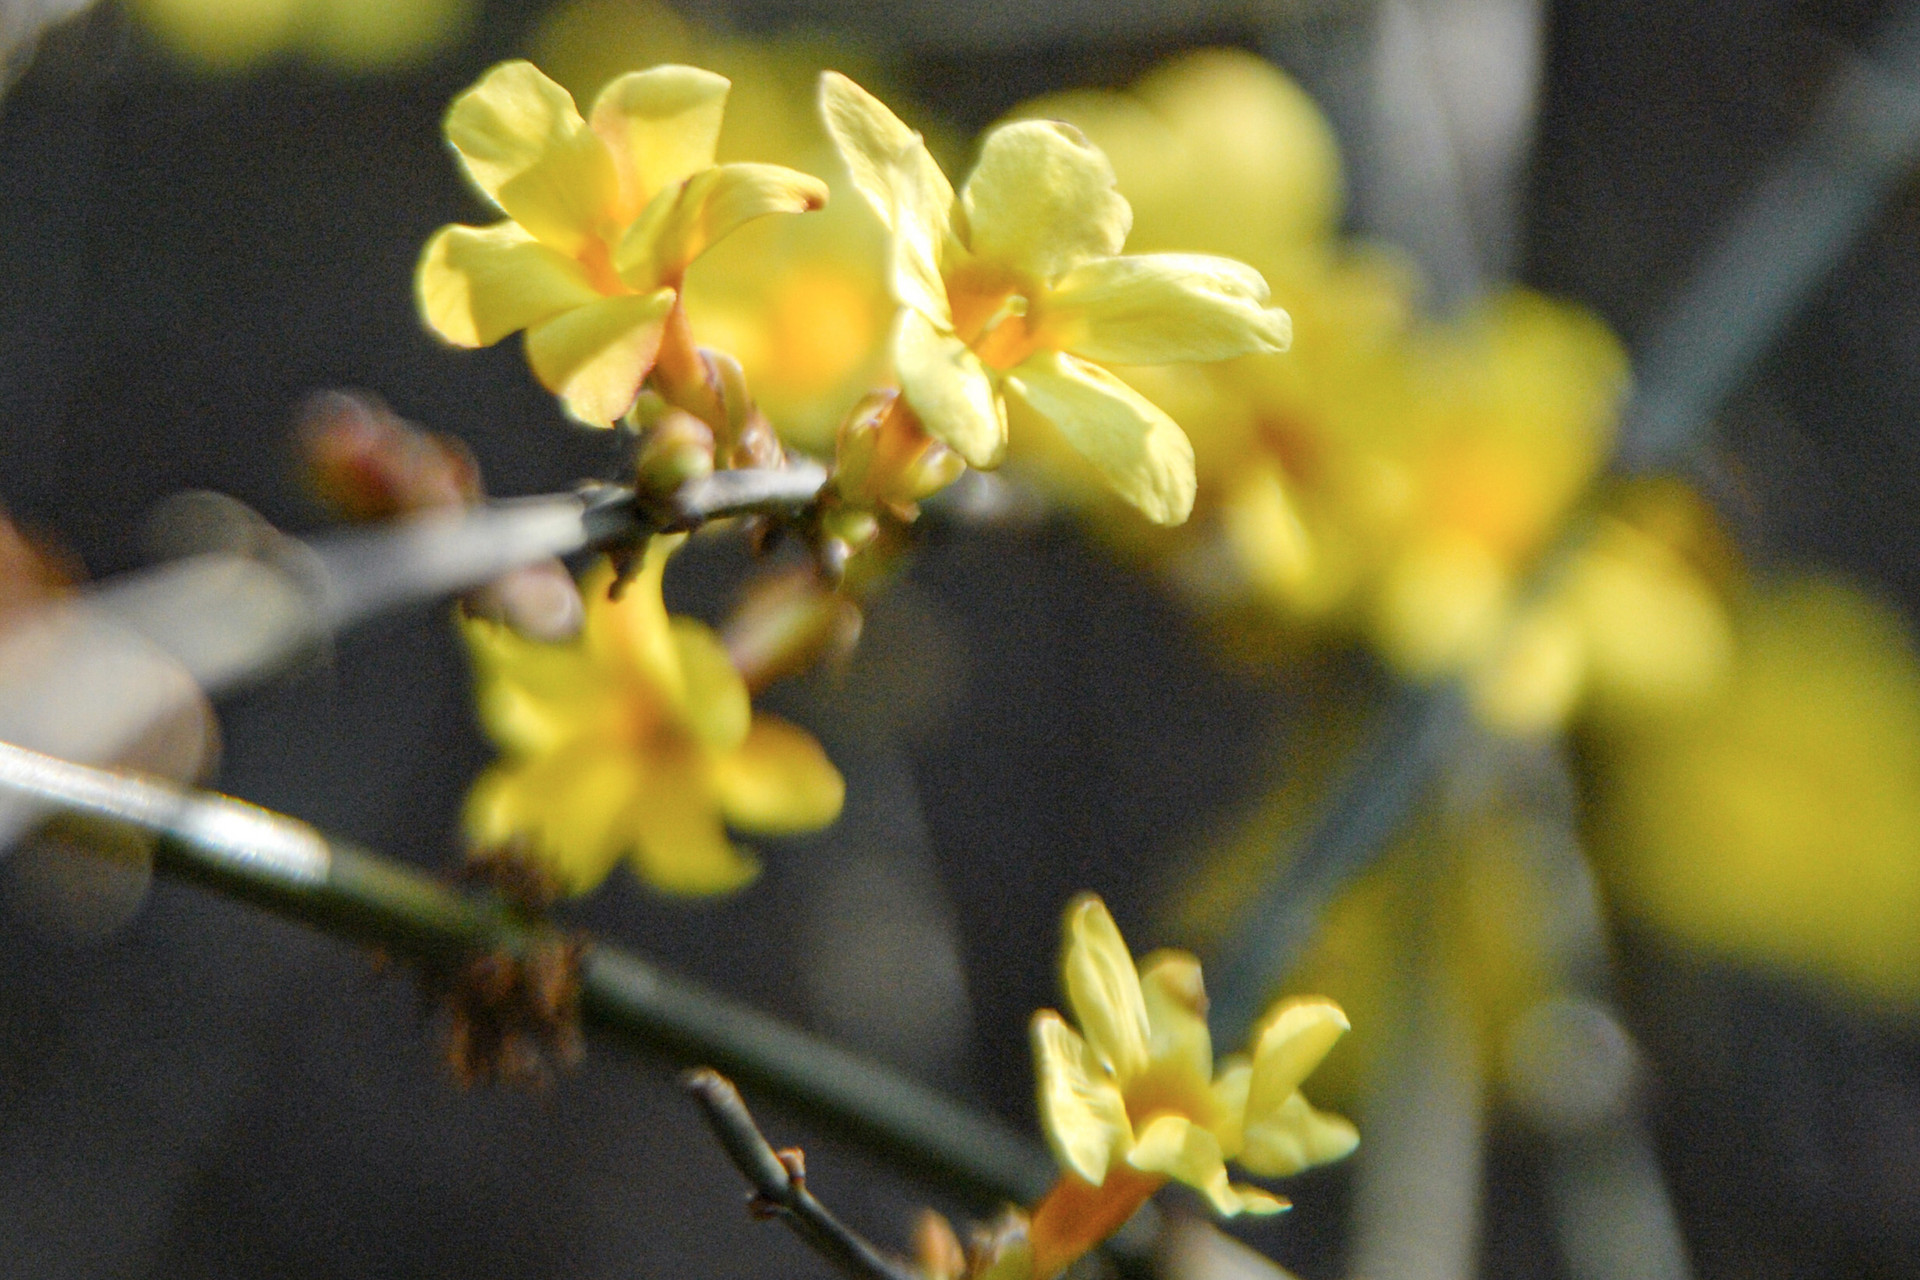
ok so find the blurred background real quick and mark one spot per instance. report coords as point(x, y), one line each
point(1591, 788)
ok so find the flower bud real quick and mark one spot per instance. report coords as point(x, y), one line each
point(676, 448)
point(886, 457)
point(786, 625)
point(367, 463)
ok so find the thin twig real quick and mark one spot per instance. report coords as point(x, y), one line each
point(779, 1180)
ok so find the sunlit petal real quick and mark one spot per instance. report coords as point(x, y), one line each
point(1103, 988)
point(1163, 307)
point(1291, 1042)
point(1042, 200)
point(660, 127)
point(879, 151)
point(683, 223)
point(476, 285)
point(1296, 1137)
point(524, 144)
point(948, 388)
point(1176, 1000)
point(1081, 1111)
point(1135, 446)
point(595, 357)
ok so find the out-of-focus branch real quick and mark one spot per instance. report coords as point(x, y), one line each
point(779, 1180)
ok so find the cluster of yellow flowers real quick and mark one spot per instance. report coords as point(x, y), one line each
point(636, 738)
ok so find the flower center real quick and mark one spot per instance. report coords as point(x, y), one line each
point(597, 258)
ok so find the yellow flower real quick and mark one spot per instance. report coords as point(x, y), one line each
point(603, 217)
point(1011, 291)
point(636, 739)
point(1130, 1100)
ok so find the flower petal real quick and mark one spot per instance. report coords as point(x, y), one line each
point(949, 390)
point(880, 152)
point(713, 697)
point(1175, 1147)
point(595, 357)
point(679, 844)
point(476, 285)
point(1132, 443)
point(1291, 1043)
point(1177, 1038)
point(684, 223)
point(1162, 307)
point(660, 126)
point(1103, 988)
point(531, 696)
point(1083, 1114)
point(1230, 1103)
point(569, 807)
point(1042, 200)
point(524, 144)
point(1296, 1137)
point(779, 781)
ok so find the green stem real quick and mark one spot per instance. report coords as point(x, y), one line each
point(288, 868)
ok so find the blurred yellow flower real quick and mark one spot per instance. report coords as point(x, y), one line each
point(1777, 821)
point(603, 217)
point(636, 739)
point(1011, 291)
point(1130, 1099)
point(350, 35)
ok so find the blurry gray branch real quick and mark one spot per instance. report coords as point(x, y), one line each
point(779, 1181)
point(1773, 252)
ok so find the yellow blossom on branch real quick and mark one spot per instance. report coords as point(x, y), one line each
point(636, 740)
point(603, 217)
point(1013, 290)
point(1130, 1099)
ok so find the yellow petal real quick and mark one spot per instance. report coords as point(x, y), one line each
point(713, 697)
point(1042, 200)
point(568, 807)
point(922, 225)
point(632, 634)
point(679, 844)
point(660, 127)
point(949, 390)
point(531, 696)
point(1177, 1038)
point(879, 151)
point(595, 357)
point(1230, 1103)
point(1082, 1112)
point(1292, 1041)
point(1133, 444)
point(476, 285)
point(524, 144)
point(1103, 989)
point(1296, 1137)
point(1162, 307)
point(1175, 1147)
point(683, 223)
point(779, 781)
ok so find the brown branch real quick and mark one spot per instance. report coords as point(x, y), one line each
point(779, 1180)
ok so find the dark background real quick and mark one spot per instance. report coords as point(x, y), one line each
point(211, 1093)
